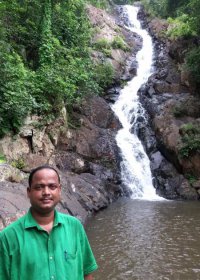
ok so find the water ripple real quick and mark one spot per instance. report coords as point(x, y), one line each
point(143, 240)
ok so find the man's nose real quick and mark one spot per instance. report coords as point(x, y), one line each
point(46, 190)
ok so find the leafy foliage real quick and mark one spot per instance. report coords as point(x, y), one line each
point(180, 27)
point(191, 178)
point(104, 74)
point(193, 63)
point(190, 139)
point(2, 158)
point(104, 46)
point(102, 4)
point(193, 11)
point(119, 43)
point(43, 66)
point(19, 163)
point(184, 21)
point(15, 100)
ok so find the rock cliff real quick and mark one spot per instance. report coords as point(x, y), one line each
point(81, 145)
point(172, 104)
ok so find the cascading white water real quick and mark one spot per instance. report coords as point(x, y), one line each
point(135, 166)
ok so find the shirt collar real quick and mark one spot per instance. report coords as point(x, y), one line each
point(30, 222)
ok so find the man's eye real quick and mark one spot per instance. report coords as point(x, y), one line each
point(52, 187)
point(38, 188)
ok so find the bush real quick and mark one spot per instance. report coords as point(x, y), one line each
point(104, 74)
point(15, 101)
point(193, 63)
point(190, 139)
point(191, 178)
point(102, 44)
point(118, 43)
point(180, 27)
point(2, 158)
point(179, 111)
point(18, 163)
point(103, 4)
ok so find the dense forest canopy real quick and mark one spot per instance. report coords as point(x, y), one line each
point(45, 58)
point(45, 53)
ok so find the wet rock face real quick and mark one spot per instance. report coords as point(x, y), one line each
point(86, 158)
point(170, 105)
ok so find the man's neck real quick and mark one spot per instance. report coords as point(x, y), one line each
point(45, 220)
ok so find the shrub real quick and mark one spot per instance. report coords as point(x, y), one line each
point(15, 101)
point(102, 44)
point(118, 43)
point(180, 27)
point(179, 111)
point(191, 178)
point(190, 139)
point(103, 4)
point(104, 74)
point(18, 163)
point(193, 63)
point(2, 158)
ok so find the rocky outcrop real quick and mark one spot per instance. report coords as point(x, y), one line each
point(85, 155)
point(109, 27)
point(81, 145)
point(171, 106)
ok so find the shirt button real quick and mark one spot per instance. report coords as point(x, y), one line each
point(51, 258)
point(52, 277)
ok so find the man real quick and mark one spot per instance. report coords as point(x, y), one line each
point(45, 244)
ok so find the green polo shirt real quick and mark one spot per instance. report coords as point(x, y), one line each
point(27, 252)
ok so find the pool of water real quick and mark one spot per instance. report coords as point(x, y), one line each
point(147, 240)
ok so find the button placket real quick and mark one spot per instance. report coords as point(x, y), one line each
point(51, 258)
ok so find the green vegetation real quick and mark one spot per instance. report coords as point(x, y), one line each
point(45, 59)
point(119, 43)
point(191, 178)
point(180, 27)
point(184, 21)
point(18, 163)
point(190, 139)
point(179, 111)
point(104, 74)
point(105, 46)
point(102, 4)
point(193, 63)
point(2, 158)
point(45, 49)
point(105, 4)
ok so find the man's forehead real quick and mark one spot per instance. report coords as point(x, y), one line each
point(45, 173)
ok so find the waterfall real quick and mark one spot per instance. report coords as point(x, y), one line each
point(135, 165)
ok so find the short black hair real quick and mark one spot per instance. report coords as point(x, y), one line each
point(33, 171)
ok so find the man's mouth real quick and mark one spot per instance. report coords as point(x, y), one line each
point(46, 200)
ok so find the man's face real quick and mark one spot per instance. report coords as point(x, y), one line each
point(45, 191)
